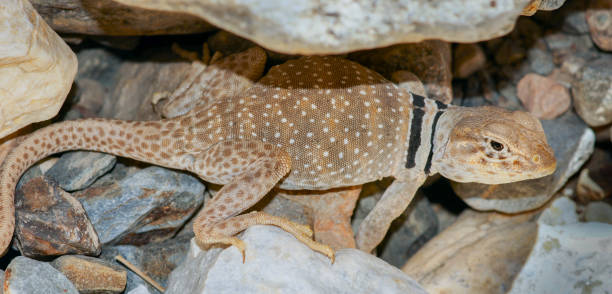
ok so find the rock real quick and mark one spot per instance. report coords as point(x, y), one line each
point(141, 289)
point(91, 275)
point(598, 211)
point(599, 19)
point(573, 143)
point(550, 4)
point(563, 45)
point(25, 275)
point(331, 211)
point(149, 205)
point(430, 61)
point(509, 52)
point(106, 17)
point(568, 256)
point(467, 59)
point(336, 26)
point(409, 81)
point(592, 91)
point(77, 170)
point(36, 66)
point(479, 253)
point(277, 262)
point(543, 97)
point(156, 259)
point(89, 99)
point(50, 221)
point(540, 60)
point(594, 180)
point(127, 43)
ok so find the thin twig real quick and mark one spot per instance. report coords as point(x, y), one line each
point(136, 270)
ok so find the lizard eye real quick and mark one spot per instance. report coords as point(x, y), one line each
point(497, 146)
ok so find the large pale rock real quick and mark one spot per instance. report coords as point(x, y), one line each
point(480, 253)
point(573, 143)
point(277, 263)
point(319, 27)
point(36, 67)
point(107, 17)
point(568, 256)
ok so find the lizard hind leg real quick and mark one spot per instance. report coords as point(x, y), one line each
point(249, 169)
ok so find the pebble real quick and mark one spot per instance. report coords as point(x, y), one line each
point(92, 275)
point(598, 211)
point(77, 170)
point(543, 97)
point(594, 180)
point(599, 19)
point(50, 221)
point(28, 276)
point(276, 262)
point(467, 59)
point(592, 91)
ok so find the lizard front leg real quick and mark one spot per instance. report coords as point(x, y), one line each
point(250, 169)
point(390, 206)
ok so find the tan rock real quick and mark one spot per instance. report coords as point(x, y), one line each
point(543, 97)
point(107, 17)
point(36, 67)
point(92, 275)
point(479, 253)
point(599, 18)
point(409, 81)
point(467, 59)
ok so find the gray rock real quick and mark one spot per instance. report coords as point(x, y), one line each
point(77, 170)
point(568, 256)
point(573, 143)
point(25, 275)
point(141, 289)
point(550, 4)
point(322, 27)
point(540, 61)
point(599, 18)
point(592, 91)
point(277, 263)
point(149, 205)
point(598, 211)
point(594, 180)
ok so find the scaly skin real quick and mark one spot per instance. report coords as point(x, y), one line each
point(311, 123)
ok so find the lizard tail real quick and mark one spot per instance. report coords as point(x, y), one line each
point(122, 138)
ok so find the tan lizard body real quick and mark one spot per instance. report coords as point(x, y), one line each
point(311, 123)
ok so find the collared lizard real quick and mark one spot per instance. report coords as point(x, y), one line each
point(311, 123)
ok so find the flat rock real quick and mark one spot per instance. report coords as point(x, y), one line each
point(430, 61)
point(572, 142)
point(277, 262)
point(49, 221)
point(24, 275)
point(106, 17)
point(315, 27)
point(91, 275)
point(77, 170)
point(480, 253)
point(543, 97)
point(35, 64)
point(592, 91)
point(568, 256)
point(148, 205)
point(599, 18)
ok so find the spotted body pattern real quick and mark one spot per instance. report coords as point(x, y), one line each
point(311, 123)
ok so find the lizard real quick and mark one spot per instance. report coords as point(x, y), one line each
point(312, 123)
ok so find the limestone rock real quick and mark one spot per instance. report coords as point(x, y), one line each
point(315, 27)
point(480, 253)
point(599, 18)
point(25, 275)
point(568, 256)
point(91, 275)
point(430, 61)
point(592, 91)
point(77, 170)
point(50, 221)
point(277, 262)
point(36, 66)
point(149, 205)
point(107, 17)
point(543, 97)
point(573, 143)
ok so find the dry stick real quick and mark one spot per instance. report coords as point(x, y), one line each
point(136, 270)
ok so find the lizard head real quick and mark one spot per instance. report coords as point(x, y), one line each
point(491, 145)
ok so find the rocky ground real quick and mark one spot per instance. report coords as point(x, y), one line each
point(77, 211)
